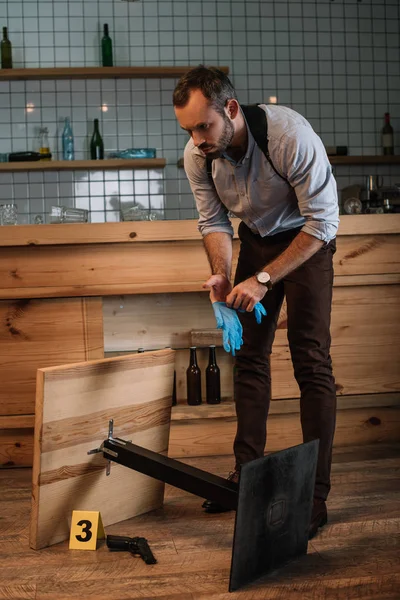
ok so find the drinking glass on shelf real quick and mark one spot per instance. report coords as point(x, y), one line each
point(8, 214)
point(134, 213)
point(138, 213)
point(63, 214)
point(352, 206)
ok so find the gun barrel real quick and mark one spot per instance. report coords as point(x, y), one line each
point(118, 542)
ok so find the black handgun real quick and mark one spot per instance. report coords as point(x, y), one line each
point(135, 545)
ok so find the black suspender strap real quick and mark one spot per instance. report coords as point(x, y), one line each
point(209, 167)
point(257, 122)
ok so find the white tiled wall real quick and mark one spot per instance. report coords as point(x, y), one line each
point(335, 61)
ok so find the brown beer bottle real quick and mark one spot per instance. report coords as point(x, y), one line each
point(193, 379)
point(213, 380)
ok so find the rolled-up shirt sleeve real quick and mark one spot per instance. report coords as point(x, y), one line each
point(213, 215)
point(304, 162)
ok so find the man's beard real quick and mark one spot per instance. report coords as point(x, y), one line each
point(224, 140)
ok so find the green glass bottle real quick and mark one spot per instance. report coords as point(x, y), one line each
point(106, 48)
point(387, 136)
point(6, 55)
point(96, 143)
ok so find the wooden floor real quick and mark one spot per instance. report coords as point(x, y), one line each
point(356, 556)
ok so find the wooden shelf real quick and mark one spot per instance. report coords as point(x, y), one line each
point(364, 160)
point(348, 160)
point(96, 73)
point(184, 412)
point(85, 165)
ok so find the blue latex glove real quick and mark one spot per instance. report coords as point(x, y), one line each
point(232, 330)
point(259, 312)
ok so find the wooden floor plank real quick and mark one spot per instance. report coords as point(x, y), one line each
point(18, 592)
point(355, 557)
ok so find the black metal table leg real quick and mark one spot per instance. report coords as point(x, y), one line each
point(172, 471)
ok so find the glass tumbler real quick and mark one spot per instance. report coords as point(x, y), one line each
point(9, 214)
point(63, 214)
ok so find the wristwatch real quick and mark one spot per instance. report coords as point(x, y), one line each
point(264, 278)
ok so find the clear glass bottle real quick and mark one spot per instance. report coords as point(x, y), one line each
point(6, 51)
point(96, 143)
point(193, 379)
point(68, 141)
point(106, 48)
point(213, 379)
point(44, 146)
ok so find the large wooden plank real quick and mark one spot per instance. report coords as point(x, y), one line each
point(122, 268)
point(74, 404)
point(42, 333)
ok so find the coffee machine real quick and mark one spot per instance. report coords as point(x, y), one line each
point(372, 198)
point(378, 198)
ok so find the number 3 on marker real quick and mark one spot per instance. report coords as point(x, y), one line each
point(86, 527)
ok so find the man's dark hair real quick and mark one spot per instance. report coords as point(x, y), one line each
point(212, 82)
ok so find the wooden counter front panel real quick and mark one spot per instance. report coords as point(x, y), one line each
point(43, 333)
point(109, 269)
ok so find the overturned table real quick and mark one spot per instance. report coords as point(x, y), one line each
point(82, 409)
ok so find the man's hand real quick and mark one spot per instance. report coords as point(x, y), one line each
point(246, 294)
point(219, 287)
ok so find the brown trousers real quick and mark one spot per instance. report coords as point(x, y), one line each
point(308, 292)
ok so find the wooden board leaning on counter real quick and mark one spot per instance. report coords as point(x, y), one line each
point(60, 288)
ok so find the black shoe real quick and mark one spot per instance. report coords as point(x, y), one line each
point(211, 506)
point(319, 517)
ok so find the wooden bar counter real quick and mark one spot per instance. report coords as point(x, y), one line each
point(70, 293)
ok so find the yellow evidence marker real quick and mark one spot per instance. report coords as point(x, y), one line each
point(86, 529)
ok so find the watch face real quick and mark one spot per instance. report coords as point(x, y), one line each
point(263, 277)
